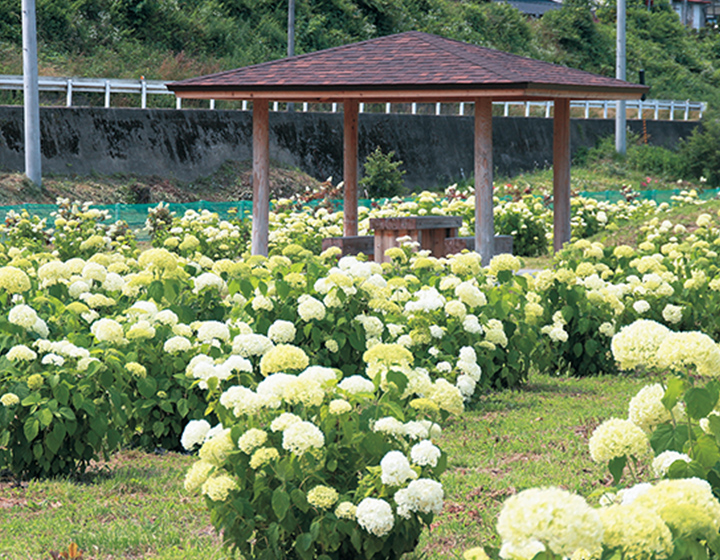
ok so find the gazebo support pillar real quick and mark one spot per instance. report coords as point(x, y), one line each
point(350, 167)
point(261, 176)
point(484, 225)
point(561, 173)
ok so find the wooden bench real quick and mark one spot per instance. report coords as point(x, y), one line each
point(352, 245)
point(502, 244)
point(430, 232)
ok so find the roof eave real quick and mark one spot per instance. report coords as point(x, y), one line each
point(418, 93)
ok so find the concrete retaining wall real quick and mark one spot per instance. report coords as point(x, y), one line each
point(189, 144)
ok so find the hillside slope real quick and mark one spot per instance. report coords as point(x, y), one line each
point(174, 39)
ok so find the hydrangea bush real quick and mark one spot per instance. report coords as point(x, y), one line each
point(316, 465)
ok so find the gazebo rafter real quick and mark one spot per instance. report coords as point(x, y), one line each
point(410, 67)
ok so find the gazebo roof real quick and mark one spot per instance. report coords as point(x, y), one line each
point(410, 65)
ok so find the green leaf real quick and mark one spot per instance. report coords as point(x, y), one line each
point(106, 379)
point(616, 466)
point(667, 438)
point(54, 439)
point(147, 387)
point(675, 388)
point(246, 288)
point(280, 503)
point(31, 428)
point(156, 290)
point(699, 402)
point(282, 288)
point(32, 399)
point(45, 417)
point(299, 499)
point(304, 542)
point(713, 387)
point(171, 290)
point(61, 393)
point(182, 407)
point(399, 379)
point(67, 413)
point(705, 451)
point(158, 428)
point(681, 469)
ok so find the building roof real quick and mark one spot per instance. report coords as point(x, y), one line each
point(411, 65)
point(534, 8)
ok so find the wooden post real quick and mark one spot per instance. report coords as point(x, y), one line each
point(561, 173)
point(350, 167)
point(484, 224)
point(261, 176)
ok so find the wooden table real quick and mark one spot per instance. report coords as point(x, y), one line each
point(429, 231)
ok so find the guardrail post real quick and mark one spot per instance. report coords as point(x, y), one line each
point(506, 109)
point(587, 109)
point(527, 108)
point(68, 97)
point(461, 109)
point(107, 94)
point(387, 108)
point(212, 104)
point(413, 108)
point(244, 105)
point(703, 106)
point(305, 107)
point(334, 107)
point(276, 105)
point(143, 93)
point(640, 109)
point(547, 109)
point(687, 109)
point(605, 109)
point(361, 108)
point(437, 109)
point(657, 108)
point(672, 110)
point(178, 102)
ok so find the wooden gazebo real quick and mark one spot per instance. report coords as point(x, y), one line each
point(410, 67)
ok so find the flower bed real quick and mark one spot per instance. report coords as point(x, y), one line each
point(105, 345)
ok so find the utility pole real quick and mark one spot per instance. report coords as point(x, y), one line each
point(291, 39)
point(620, 116)
point(30, 93)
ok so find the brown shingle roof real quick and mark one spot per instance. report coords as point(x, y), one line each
point(410, 61)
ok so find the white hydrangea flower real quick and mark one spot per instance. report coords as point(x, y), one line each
point(375, 516)
point(356, 384)
point(396, 469)
point(423, 495)
point(662, 462)
point(282, 332)
point(194, 433)
point(425, 454)
point(300, 437)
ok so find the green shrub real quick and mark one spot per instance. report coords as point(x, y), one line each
point(383, 177)
point(700, 152)
point(55, 419)
point(286, 481)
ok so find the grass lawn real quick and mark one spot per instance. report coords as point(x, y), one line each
point(134, 505)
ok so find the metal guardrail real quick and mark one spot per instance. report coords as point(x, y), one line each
point(637, 109)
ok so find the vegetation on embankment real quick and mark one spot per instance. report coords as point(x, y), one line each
point(173, 39)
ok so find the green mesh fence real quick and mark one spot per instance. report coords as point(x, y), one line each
point(658, 196)
point(135, 214)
